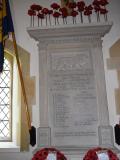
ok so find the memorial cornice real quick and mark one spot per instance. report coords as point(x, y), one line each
point(77, 30)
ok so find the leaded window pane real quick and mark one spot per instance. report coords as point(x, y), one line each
point(5, 101)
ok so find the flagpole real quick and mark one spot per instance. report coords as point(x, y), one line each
point(22, 81)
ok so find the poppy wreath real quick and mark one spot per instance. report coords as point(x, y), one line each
point(92, 155)
point(43, 153)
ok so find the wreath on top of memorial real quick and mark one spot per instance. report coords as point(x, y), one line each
point(43, 153)
point(57, 14)
point(92, 154)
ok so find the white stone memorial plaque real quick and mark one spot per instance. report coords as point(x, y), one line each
point(72, 92)
point(72, 99)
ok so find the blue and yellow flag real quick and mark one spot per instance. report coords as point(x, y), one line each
point(6, 26)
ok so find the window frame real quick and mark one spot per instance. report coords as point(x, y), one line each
point(20, 139)
point(10, 59)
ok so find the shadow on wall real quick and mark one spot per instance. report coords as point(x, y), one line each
point(114, 63)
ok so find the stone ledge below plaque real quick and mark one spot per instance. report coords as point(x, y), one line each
point(105, 136)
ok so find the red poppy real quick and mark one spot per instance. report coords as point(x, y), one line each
point(80, 9)
point(97, 8)
point(81, 6)
point(38, 7)
point(33, 6)
point(96, 2)
point(55, 6)
point(56, 14)
point(103, 11)
point(45, 11)
point(40, 15)
point(72, 5)
point(50, 12)
point(89, 7)
point(88, 10)
point(64, 12)
point(64, 9)
point(31, 12)
point(103, 2)
point(74, 13)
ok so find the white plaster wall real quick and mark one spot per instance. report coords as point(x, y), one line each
point(108, 41)
point(21, 22)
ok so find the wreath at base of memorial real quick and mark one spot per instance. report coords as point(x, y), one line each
point(43, 153)
point(92, 154)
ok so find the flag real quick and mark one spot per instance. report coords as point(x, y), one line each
point(6, 26)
